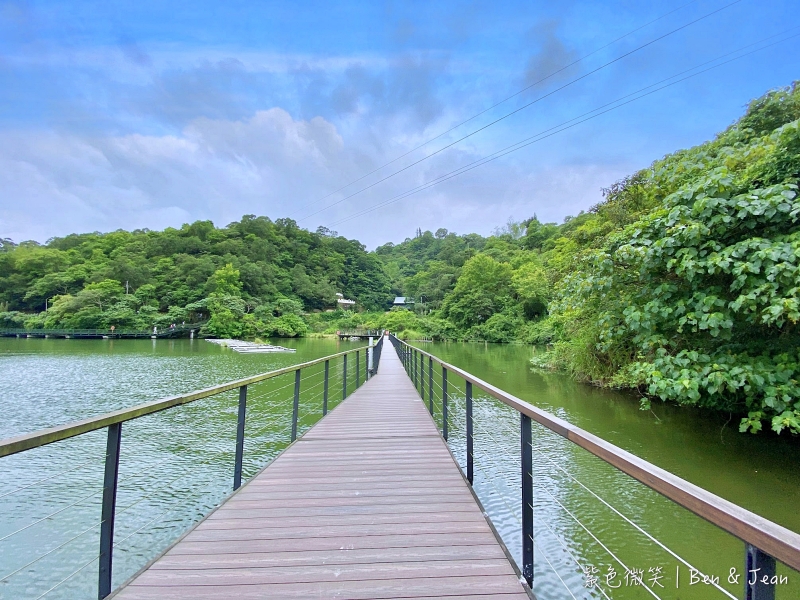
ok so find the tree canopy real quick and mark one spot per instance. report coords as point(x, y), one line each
point(142, 279)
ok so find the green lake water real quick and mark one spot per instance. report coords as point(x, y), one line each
point(177, 465)
point(586, 512)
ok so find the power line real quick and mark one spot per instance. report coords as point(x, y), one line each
point(495, 105)
point(524, 106)
point(559, 128)
point(570, 124)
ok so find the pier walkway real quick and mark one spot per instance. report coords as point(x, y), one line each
point(369, 504)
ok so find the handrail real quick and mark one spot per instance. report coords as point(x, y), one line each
point(773, 539)
point(360, 332)
point(113, 423)
point(43, 437)
point(104, 331)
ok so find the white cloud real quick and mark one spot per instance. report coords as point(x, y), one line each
point(269, 164)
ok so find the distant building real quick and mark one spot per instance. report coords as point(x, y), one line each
point(403, 302)
point(343, 302)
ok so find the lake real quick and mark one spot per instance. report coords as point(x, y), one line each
point(177, 465)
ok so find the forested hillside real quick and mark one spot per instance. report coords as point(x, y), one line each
point(255, 277)
point(682, 283)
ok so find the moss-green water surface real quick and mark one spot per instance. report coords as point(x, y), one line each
point(590, 518)
point(177, 465)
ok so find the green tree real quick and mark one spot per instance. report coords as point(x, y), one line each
point(483, 289)
point(225, 281)
point(532, 288)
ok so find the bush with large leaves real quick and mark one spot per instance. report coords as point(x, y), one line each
point(699, 301)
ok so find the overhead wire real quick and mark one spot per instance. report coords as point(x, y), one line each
point(569, 124)
point(495, 105)
point(523, 107)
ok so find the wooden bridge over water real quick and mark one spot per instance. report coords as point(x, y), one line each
point(370, 503)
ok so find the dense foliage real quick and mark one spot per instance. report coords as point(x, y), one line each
point(253, 277)
point(683, 282)
point(693, 296)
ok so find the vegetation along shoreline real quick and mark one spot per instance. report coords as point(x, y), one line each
point(682, 284)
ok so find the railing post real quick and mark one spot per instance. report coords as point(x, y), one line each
point(370, 352)
point(430, 384)
point(444, 403)
point(296, 403)
point(422, 378)
point(358, 368)
point(325, 389)
point(344, 377)
point(470, 464)
point(109, 506)
point(758, 564)
point(526, 448)
point(416, 358)
point(366, 363)
point(237, 463)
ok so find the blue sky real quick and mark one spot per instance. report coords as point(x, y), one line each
point(153, 114)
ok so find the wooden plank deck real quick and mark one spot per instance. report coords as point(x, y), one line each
point(367, 504)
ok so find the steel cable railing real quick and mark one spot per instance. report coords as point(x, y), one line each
point(59, 474)
point(451, 392)
point(656, 541)
point(120, 511)
point(498, 444)
point(765, 542)
point(316, 387)
point(493, 480)
point(454, 399)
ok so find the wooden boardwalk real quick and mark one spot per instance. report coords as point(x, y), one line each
point(367, 504)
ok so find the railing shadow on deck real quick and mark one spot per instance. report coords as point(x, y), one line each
point(765, 542)
point(323, 382)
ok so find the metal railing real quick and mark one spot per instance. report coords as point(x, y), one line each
point(364, 367)
point(765, 541)
point(359, 333)
point(96, 333)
